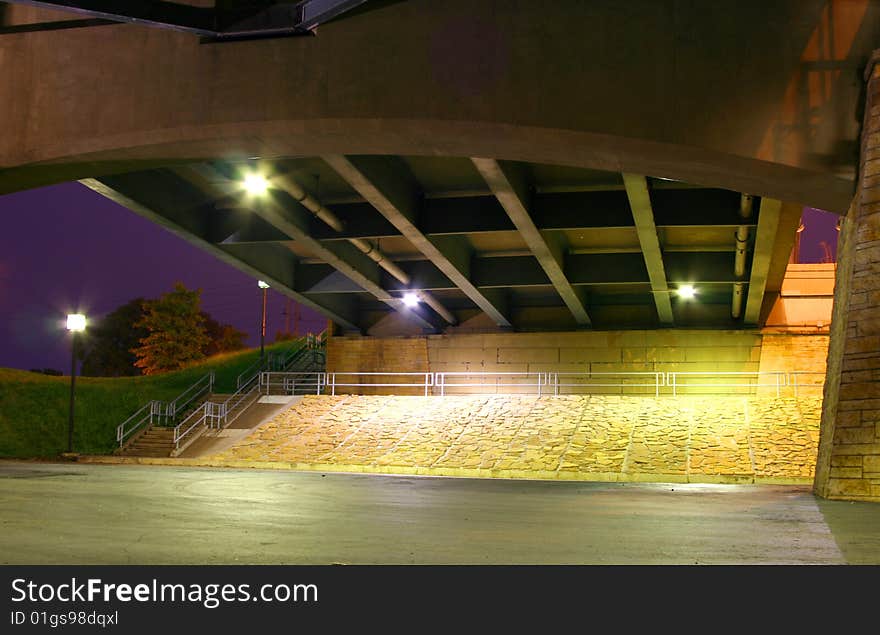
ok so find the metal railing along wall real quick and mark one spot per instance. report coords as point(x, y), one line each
point(705, 382)
point(384, 380)
point(561, 383)
point(806, 380)
point(500, 383)
point(286, 383)
point(637, 382)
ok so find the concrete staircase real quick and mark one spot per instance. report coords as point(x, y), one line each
point(155, 442)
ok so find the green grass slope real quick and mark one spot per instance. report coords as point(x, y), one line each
point(34, 407)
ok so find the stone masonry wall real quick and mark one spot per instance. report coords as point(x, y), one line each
point(597, 351)
point(848, 464)
point(579, 352)
point(792, 352)
point(356, 355)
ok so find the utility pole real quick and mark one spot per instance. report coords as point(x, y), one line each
point(265, 288)
point(287, 317)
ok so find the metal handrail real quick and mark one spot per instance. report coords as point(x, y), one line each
point(205, 414)
point(315, 381)
point(146, 414)
point(253, 370)
point(203, 385)
point(440, 381)
point(795, 383)
point(289, 358)
point(244, 391)
point(294, 357)
point(659, 380)
point(197, 416)
point(279, 360)
point(550, 380)
point(426, 383)
point(780, 380)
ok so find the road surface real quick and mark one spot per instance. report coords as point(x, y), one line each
point(118, 514)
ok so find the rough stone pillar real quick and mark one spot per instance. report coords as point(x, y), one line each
point(848, 465)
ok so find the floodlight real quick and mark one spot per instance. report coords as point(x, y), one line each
point(76, 322)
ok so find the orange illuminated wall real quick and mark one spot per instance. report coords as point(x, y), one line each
point(806, 298)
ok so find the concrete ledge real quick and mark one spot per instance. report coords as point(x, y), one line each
point(540, 475)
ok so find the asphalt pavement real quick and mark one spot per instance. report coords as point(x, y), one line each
point(54, 513)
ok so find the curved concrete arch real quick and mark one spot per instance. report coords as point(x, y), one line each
point(747, 96)
point(281, 139)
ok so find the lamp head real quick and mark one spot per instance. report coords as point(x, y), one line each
point(686, 291)
point(76, 322)
point(255, 184)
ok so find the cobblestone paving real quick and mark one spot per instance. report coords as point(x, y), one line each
point(606, 437)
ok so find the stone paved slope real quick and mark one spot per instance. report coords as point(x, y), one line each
point(697, 439)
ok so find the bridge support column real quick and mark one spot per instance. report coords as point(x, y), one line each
point(848, 465)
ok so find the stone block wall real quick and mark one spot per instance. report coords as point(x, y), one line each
point(596, 351)
point(848, 464)
point(793, 352)
point(582, 352)
point(356, 355)
point(573, 352)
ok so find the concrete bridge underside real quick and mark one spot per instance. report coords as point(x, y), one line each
point(583, 156)
point(755, 97)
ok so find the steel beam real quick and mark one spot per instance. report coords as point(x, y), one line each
point(765, 237)
point(549, 213)
point(288, 216)
point(156, 13)
point(508, 182)
point(55, 25)
point(152, 202)
point(253, 20)
point(386, 185)
point(643, 215)
point(512, 272)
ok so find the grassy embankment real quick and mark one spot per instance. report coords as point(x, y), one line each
point(34, 407)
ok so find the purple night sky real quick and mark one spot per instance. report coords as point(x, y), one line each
point(66, 248)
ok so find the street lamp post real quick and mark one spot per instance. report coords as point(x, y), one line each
point(76, 323)
point(265, 287)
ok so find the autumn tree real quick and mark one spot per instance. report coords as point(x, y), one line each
point(176, 334)
point(111, 340)
point(222, 338)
